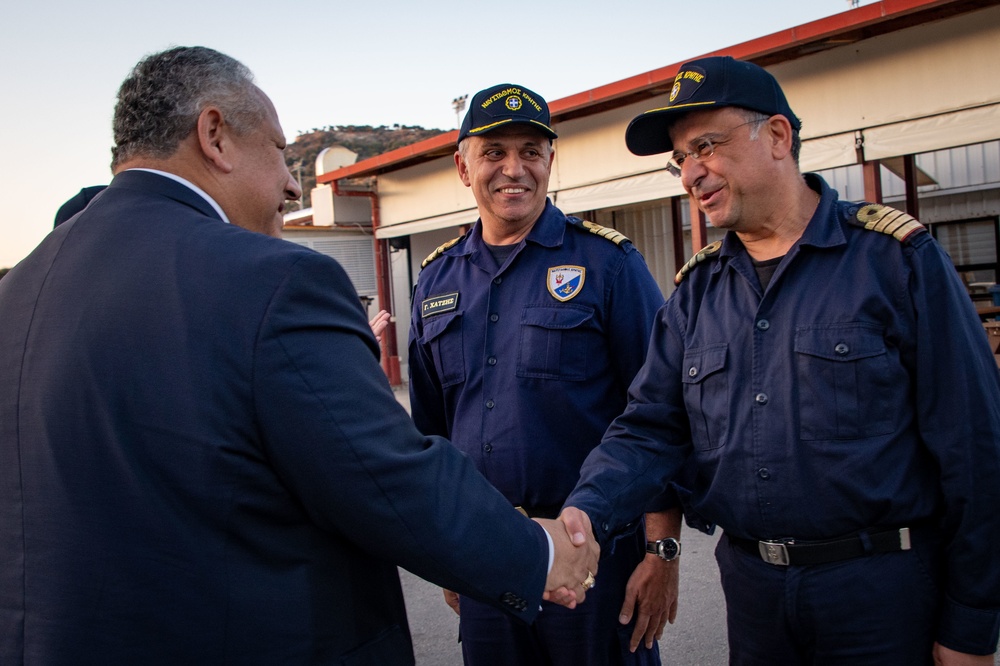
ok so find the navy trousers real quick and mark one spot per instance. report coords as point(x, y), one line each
point(880, 609)
point(588, 635)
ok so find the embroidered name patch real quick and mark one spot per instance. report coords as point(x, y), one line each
point(565, 282)
point(438, 304)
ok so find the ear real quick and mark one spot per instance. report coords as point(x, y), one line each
point(463, 169)
point(214, 138)
point(779, 133)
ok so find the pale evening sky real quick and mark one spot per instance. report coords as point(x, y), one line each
point(324, 63)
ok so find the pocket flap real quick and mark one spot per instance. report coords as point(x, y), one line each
point(703, 362)
point(438, 324)
point(841, 342)
point(547, 316)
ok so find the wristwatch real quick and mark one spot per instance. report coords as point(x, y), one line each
point(666, 549)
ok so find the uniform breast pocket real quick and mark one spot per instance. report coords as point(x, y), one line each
point(555, 340)
point(443, 336)
point(706, 394)
point(844, 382)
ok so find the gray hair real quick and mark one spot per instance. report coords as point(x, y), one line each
point(160, 101)
point(758, 118)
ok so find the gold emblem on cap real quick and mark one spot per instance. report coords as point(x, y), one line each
point(676, 89)
point(513, 103)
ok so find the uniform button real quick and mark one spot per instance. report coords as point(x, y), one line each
point(492, 360)
point(490, 404)
point(764, 473)
point(760, 398)
point(605, 526)
point(497, 280)
point(693, 371)
point(494, 317)
point(763, 325)
point(488, 448)
point(842, 348)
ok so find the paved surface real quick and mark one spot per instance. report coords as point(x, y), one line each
point(697, 638)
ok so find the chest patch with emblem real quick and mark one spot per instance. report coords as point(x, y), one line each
point(565, 282)
point(438, 304)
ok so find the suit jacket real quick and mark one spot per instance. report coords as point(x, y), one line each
point(202, 462)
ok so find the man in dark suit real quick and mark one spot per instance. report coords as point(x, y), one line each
point(200, 459)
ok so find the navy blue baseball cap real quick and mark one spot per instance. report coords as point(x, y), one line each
point(705, 83)
point(502, 105)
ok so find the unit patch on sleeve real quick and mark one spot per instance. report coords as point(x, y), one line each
point(438, 304)
point(565, 282)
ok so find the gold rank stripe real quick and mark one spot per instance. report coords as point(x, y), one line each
point(612, 235)
point(886, 220)
point(439, 251)
point(703, 254)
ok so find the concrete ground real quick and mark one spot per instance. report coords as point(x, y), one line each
point(697, 638)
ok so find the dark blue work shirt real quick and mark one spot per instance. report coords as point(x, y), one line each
point(523, 366)
point(857, 391)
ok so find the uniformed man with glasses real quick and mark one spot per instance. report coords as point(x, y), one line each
point(823, 373)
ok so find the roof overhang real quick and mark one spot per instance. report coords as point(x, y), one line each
point(809, 38)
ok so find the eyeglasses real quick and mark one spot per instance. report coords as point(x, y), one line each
point(704, 149)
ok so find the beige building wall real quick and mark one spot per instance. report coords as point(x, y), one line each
point(923, 88)
point(918, 89)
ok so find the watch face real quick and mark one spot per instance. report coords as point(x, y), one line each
point(669, 549)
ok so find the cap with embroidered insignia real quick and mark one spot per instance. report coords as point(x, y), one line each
point(502, 105)
point(704, 83)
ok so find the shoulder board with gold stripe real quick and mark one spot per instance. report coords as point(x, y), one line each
point(607, 233)
point(702, 254)
point(439, 250)
point(886, 220)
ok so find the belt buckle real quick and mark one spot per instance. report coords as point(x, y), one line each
point(774, 552)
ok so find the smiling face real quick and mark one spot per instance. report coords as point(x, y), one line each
point(731, 187)
point(508, 170)
point(263, 181)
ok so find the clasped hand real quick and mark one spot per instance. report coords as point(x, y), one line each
point(574, 567)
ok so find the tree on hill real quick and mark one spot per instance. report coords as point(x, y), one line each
point(365, 140)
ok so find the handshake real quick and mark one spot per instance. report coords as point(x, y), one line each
point(574, 565)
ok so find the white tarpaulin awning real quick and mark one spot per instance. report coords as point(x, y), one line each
point(922, 135)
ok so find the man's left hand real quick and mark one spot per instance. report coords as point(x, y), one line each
point(651, 593)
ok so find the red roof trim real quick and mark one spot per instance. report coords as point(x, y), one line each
point(774, 45)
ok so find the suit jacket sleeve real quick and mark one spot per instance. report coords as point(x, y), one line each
point(342, 444)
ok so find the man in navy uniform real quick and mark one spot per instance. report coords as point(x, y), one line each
point(824, 374)
point(201, 461)
point(525, 335)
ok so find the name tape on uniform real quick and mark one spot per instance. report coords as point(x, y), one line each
point(438, 304)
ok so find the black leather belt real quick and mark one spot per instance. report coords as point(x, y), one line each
point(785, 552)
point(540, 511)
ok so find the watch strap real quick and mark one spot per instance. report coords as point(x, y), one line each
point(656, 548)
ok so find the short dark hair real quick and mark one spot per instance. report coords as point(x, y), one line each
point(159, 103)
